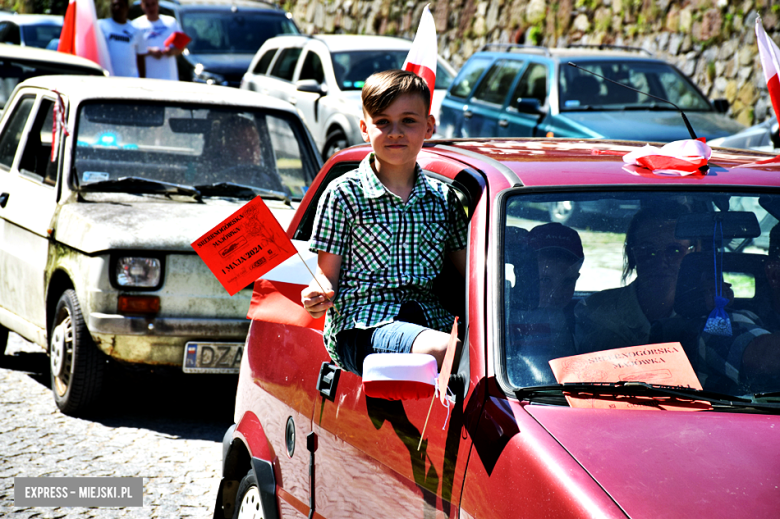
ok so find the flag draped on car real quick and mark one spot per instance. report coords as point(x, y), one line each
point(770, 62)
point(82, 36)
point(422, 56)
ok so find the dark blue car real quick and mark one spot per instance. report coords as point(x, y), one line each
point(524, 91)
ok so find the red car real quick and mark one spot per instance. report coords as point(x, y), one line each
point(685, 426)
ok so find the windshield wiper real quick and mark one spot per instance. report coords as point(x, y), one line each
point(632, 388)
point(138, 185)
point(241, 191)
point(653, 107)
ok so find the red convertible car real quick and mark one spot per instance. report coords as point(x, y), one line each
point(622, 365)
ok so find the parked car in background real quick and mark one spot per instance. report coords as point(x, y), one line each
point(763, 136)
point(30, 30)
point(308, 441)
point(18, 64)
point(225, 35)
point(96, 223)
point(509, 90)
point(323, 76)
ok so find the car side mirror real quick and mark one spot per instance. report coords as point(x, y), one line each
point(310, 85)
point(530, 105)
point(721, 105)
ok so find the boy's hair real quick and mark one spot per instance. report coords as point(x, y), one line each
point(382, 88)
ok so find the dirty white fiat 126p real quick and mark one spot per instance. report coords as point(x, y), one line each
point(104, 184)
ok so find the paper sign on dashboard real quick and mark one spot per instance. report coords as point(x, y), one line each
point(663, 364)
point(244, 246)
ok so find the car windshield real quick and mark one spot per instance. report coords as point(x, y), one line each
point(582, 91)
point(40, 35)
point(353, 67)
point(216, 32)
point(192, 145)
point(644, 268)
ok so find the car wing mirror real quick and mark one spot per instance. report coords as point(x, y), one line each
point(529, 105)
point(312, 86)
point(721, 105)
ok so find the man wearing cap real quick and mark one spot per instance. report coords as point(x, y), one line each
point(560, 256)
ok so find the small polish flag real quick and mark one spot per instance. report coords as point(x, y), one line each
point(399, 376)
point(687, 155)
point(81, 34)
point(422, 56)
point(770, 62)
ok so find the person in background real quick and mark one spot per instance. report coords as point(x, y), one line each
point(160, 60)
point(560, 257)
point(125, 43)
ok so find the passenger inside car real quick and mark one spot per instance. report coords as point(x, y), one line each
point(622, 316)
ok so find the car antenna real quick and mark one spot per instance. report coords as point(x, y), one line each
point(685, 119)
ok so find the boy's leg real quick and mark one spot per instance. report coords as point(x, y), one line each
point(434, 342)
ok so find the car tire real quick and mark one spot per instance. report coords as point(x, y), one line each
point(248, 503)
point(564, 212)
point(76, 366)
point(335, 142)
point(3, 339)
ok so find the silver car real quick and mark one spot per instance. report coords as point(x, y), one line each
point(323, 77)
point(97, 218)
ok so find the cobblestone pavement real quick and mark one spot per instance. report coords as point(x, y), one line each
point(166, 429)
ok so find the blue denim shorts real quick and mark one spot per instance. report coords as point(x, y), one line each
point(353, 345)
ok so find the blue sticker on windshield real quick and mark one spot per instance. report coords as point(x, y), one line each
point(572, 103)
point(94, 176)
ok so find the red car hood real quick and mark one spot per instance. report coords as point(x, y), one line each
point(675, 464)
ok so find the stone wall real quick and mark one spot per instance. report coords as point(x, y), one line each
point(713, 41)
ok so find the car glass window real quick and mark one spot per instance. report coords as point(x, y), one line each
point(468, 76)
point(638, 268)
point(265, 60)
point(443, 78)
point(14, 71)
point(494, 88)
point(9, 33)
point(12, 132)
point(36, 158)
point(580, 90)
point(353, 68)
point(40, 35)
point(284, 67)
point(193, 145)
point(312, 68)
point(220, 32)
point(532, 84)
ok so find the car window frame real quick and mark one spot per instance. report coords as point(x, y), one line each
point(280, 55)
point(511, 105)
point(22, 148)
point(18, 100)
point(489, 59)
point(498, 62)
point(264, 72)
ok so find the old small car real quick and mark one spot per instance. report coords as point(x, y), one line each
point(534, 429)
point(104, 184)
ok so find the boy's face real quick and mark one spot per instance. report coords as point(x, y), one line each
point(397, 133)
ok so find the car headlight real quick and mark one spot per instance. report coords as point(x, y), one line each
point(200, 75)
point(138, 272)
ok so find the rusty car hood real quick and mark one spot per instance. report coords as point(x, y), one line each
point(106, 222)
point(675, 464)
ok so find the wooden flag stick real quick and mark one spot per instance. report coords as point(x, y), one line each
point(422, 435)
point(318, 281)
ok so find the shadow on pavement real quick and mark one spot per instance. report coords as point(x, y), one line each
point(164, 400)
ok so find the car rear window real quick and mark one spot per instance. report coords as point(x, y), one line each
point(588, 272)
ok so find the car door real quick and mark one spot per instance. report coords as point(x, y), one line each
point(279, 81)
point(455, 111)
point(28, 199)
point(522, 116)
point(309, 102)
point(490, 98)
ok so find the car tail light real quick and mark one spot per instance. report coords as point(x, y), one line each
point(146, 305)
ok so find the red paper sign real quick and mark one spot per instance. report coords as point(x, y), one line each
point(178, 39)
point(446, 365)
point(244, 246)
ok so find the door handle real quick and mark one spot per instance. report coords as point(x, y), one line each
point(467, 114)
point(328, 380)
point(503, 123)
point(4, 199)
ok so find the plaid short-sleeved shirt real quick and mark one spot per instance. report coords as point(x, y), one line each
point(390, 250)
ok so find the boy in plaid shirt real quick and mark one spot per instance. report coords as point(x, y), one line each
point(382, 233)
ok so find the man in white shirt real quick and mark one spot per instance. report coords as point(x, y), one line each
point(160, 59)
point(125, 43)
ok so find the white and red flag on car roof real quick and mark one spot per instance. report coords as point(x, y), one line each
point(770, 62)
point(422, 56)
point(81, 34)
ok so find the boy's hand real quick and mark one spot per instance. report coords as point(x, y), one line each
point(315, 301)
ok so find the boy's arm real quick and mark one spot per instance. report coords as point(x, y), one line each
point(458, 258)
point(314, 300)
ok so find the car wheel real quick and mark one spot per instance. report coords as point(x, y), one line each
point(335, 142)
point(77, 367)
point(563, 212)
point(248, 499)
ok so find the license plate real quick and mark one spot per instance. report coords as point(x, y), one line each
point(212, 357)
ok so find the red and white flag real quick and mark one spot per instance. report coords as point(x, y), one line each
point(770, 62)
point(81, 34)
point(422, 56)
